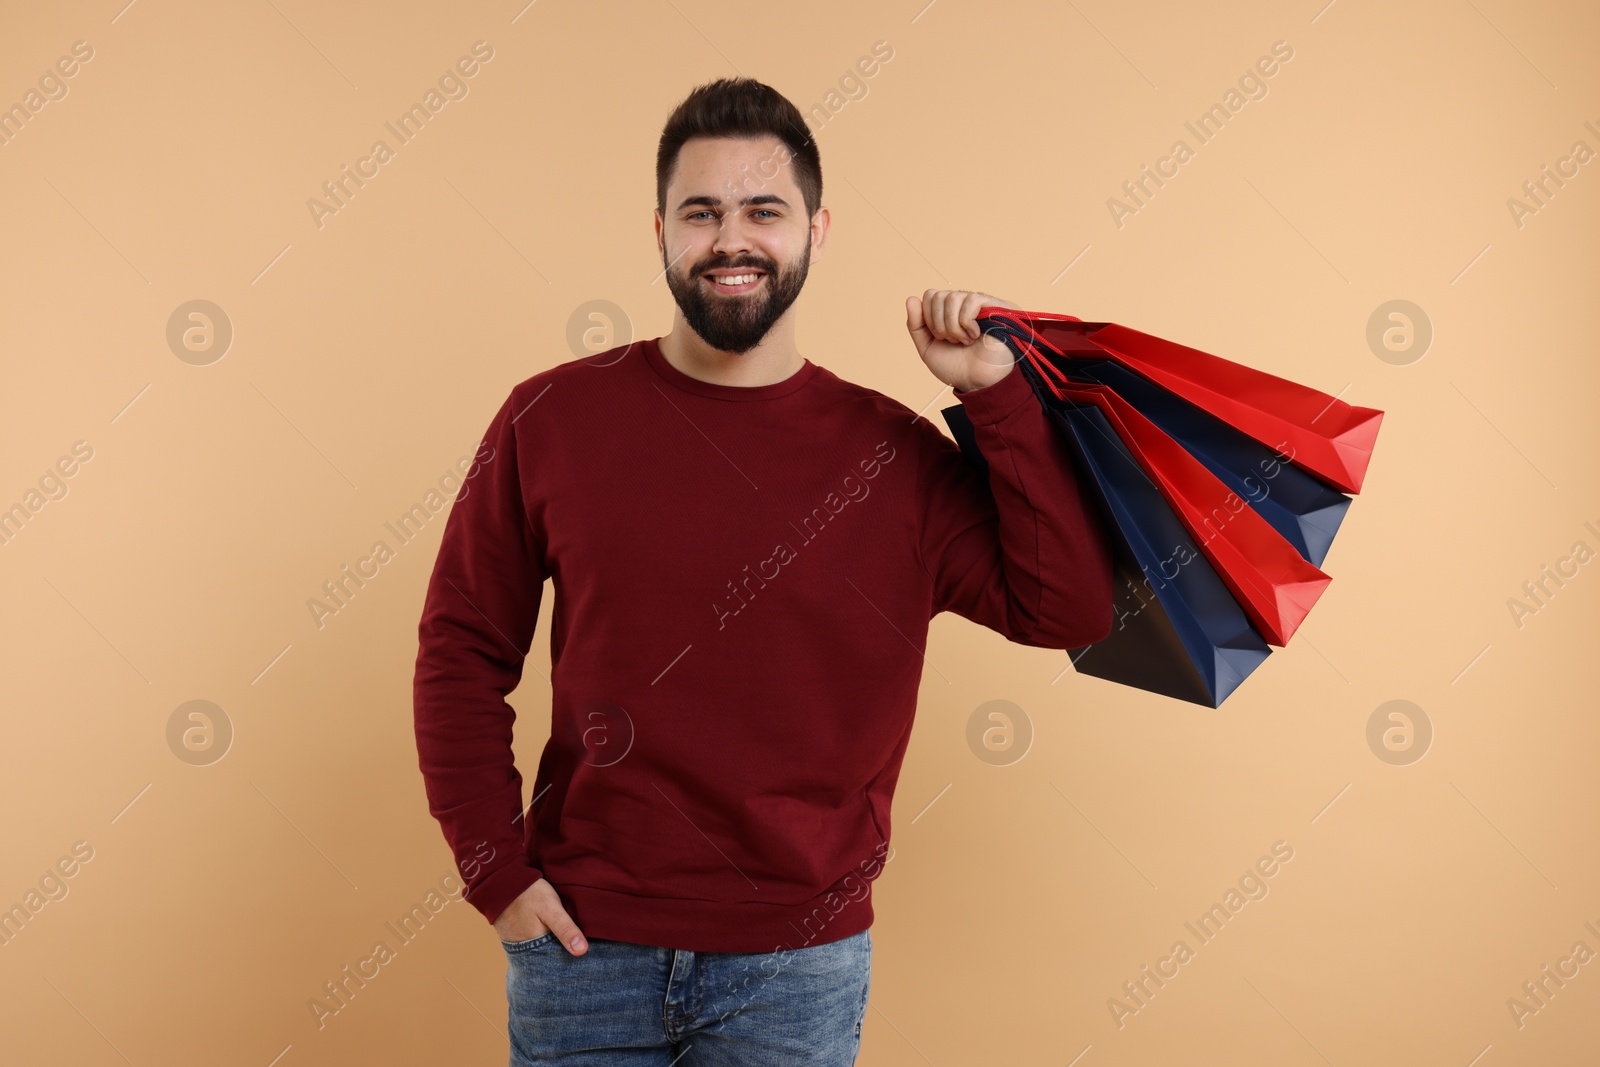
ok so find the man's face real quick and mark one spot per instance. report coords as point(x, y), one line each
point(733, 208)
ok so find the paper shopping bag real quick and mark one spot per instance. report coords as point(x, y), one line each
point(1274, 584)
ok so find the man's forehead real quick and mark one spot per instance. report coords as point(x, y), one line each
point(722, 166)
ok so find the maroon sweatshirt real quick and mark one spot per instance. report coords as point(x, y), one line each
point(743, 581)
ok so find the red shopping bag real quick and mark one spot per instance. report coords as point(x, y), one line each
point(1325, 436)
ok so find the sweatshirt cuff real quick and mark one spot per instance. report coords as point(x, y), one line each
point(994, 402)
point(498, 890)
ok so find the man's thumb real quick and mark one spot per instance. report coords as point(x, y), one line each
point(567, 932)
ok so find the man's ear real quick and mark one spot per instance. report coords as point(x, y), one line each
point(819, 231)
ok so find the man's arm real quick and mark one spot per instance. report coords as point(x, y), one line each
point(1025, 555)
point(477, 624)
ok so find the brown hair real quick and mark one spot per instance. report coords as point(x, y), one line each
point(743, 108)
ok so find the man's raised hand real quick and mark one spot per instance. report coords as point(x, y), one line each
point(944, 327)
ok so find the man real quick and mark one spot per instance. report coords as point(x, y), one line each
point(746, 552)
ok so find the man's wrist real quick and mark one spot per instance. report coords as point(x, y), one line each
point(969, 387)
point(496, 892)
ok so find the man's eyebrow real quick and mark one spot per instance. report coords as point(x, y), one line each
point(712, 201)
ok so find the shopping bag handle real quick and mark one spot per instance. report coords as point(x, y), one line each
point(996, 310)
point(1031, 341)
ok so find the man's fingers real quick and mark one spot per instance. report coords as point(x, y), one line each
point(936, 302)
point(949, 315)
point(953, 314)
point(950, 303)
point(969, 313)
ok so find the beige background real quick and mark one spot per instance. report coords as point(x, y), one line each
point(368, 355)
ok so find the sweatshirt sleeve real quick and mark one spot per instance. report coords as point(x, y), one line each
point(477, 624)
point(1025, 555)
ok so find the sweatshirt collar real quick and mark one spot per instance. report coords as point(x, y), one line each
point(675, 377)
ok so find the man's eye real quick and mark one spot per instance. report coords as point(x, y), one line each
point(766, 211)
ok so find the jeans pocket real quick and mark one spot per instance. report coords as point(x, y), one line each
point(546, 938)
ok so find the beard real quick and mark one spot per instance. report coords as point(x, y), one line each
point(737, 322)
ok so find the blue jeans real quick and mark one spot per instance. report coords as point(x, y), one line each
point(636, 1005)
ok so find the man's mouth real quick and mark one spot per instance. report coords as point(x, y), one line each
point(735, 282)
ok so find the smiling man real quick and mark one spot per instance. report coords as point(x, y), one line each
point(746, 551)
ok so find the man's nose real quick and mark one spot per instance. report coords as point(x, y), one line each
point(732, 236)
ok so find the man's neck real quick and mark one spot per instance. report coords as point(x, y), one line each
point(774, 360)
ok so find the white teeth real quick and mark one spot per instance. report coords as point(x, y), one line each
point(736, 279)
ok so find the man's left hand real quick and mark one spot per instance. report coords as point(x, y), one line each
point(944, 327)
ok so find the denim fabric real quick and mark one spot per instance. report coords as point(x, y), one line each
point(635, 1005)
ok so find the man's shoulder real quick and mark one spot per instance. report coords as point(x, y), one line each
point(887, 410)
point(588, 373)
